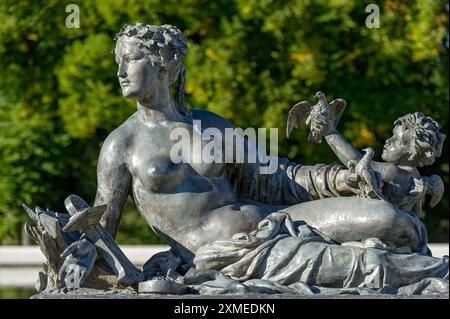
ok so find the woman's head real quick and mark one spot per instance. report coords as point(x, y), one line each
point(145, 52)
point(416, 141)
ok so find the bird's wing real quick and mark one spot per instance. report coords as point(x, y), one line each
point(377, 187)
point(337, 108)
point(297, 115)
point(373, 183)
point(368, 175)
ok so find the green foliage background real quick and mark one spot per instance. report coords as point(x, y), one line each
point(249, 61)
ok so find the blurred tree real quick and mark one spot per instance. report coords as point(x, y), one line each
point(59, 96)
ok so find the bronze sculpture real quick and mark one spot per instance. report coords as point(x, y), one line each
point(230, 228)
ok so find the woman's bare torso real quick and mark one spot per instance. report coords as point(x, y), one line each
point(176, 200)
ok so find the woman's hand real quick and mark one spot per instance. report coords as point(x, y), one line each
point(346, 182)
point(80, 257)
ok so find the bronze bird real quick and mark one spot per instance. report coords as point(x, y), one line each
point(370, 184)
point(321, 113)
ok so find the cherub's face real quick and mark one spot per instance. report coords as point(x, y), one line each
point(396, 147)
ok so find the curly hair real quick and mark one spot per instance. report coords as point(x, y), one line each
point(164, 45)
point(426, 141)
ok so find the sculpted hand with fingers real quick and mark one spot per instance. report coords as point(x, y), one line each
point(79, 260)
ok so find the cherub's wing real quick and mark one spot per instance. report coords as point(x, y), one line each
point(436, 190)
point(337, 108)
point(297, 115)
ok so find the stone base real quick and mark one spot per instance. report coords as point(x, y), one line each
point(85, 293)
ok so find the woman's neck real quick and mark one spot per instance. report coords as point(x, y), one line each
point(158, 110)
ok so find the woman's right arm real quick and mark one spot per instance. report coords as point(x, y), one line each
point(113, 183)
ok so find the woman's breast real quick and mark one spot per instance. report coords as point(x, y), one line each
point(159, 174)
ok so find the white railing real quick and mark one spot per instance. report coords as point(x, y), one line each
point(19, 265)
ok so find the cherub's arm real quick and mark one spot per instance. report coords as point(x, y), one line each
point(342, 148)
point(345, 152)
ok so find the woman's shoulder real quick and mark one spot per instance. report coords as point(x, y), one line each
point(120, 139)
point(124, 131)
point(210, 119)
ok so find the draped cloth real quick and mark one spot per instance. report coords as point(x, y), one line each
point(291, 184)
point(276, 258)
point(294, 183)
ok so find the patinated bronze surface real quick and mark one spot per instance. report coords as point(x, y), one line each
point(300, 230)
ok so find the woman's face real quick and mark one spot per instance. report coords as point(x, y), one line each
point(138, 78)
point(396, 147)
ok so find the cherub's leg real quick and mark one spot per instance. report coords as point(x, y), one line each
point(346, 219)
